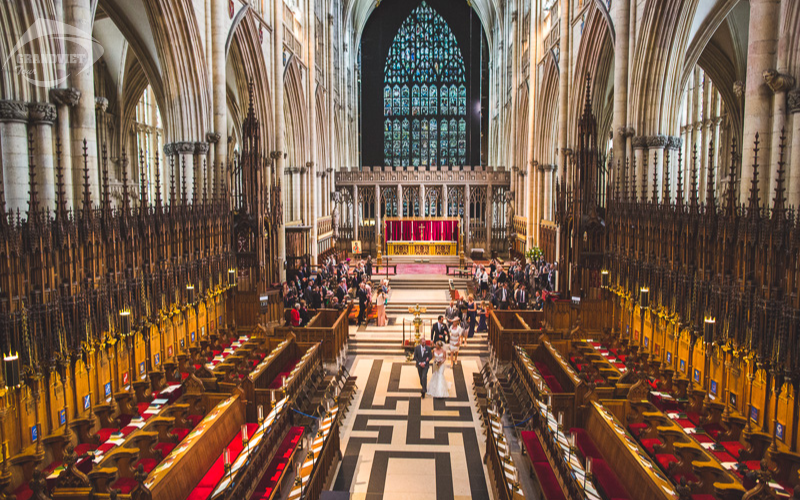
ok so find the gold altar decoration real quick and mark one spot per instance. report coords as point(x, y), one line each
point(432, 248)
point(416, 311)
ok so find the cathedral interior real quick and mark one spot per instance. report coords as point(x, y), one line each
point(233, 233)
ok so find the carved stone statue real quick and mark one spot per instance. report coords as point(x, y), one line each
point(510, 213)
point(335, 198)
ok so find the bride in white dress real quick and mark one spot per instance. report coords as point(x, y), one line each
point(438, 387)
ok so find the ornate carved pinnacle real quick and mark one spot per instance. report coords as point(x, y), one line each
point(778, 82)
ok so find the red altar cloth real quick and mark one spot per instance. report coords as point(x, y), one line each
point(421, 230)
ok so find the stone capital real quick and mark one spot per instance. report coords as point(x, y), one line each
point(302, 170)
point(66, 97)
point(329, 169)
point(657, 141)
point(213, 137)
point(778, 82)
point(566, 151)
point(179, 147)
point(674, 143)
point(793, 101)
point(639, 142)
point(322, 174)
point(515, 168)
point(13, 111)
point(309, 165)
point(42, 112)
point(201, 148)
point(101, 103)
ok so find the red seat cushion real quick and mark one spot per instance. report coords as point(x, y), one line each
point(551, 489)
point(165, 448)
point(148, 464)
point(533, 447)
point(127, 430)
point(733, 447)
point(84, 448)
point(553, 384)
point(685, 423)
point(142, 407)
point(194, 419)
point(51, 467)
point(608, 481)
point(124, 419)
point(637, 429)
point(23, 492)
point(200, 493)
point(713, 430)
point(703, 496)
point(703, 438)
point(650, 444)
point(105, 448)
point(180, 432)
point(586, 444)
point(664, 459)
point(694, 417)
point(105, 433)
point(724, 456)
point(543, 369)
point(124, 484)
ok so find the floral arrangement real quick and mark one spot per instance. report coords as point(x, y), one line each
point(534, 254)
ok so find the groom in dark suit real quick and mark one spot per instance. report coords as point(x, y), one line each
point(439, 331)
point(422, 358)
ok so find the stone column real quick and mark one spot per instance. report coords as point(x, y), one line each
point(762, 46)
point(378, 226)
point(547, 171)
point(331, 187)
point(219, 35)
point(214, 165)
point(278, 156)
point(422, 200)
point(514, 171)
point(488, 214)
point(563, 87)
point(356, 214)
point(42, 117)
point(297, 214)
point(14, 151)
point(400, 201)
point(621, 14)
point(183, 154)
point(780, 84)
point(793, 107)
point(444, 200)
point(78, 13)
point(467, 239)
point(312, 175)
point(64, 100)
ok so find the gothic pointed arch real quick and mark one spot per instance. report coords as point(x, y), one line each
point(294, 113)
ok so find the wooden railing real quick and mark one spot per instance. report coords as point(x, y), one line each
point(328, 326)
point(326, 458)
point(509, 328)
point(324, 226)
point(496, 471)
point(521, 226)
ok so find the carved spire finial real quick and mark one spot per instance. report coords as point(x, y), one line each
point(679, 190)
point(33, 199)
point(779, 202)
point(625, 179)
point(61, 195)
point(142, 181)
point(172, 180)
point(753, 203)
point(633, 179)
point(693, 201)
point(87, 194)
point(126, 200)
point(106, 194)
point(158, 181)
point(655, 177)
point(730, 194)
point(183, 179)
point(205, 179)
point(710, 191)
point(665, 198)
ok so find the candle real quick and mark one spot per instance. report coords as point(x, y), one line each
point(260, 413)
point(588, 465)
point(244, 433)
point(272, 397)
point(284, 381)
point(226, 458)
point(560, 418)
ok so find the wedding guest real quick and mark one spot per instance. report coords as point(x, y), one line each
point(472, 312)
point(482, 315)
point(381, 304)
point(456, 333)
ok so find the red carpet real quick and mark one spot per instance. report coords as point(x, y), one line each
point(421, 269)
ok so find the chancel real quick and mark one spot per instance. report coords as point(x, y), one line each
point(392, 249)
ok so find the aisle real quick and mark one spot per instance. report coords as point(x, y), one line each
point(397, 445)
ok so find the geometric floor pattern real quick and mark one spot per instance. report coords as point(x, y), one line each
point(397, 445)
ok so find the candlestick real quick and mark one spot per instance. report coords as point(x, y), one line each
point(260, 413)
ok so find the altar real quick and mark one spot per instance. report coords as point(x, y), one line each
point(436, 236)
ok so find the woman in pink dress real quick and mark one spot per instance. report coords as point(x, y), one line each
point(381, 305)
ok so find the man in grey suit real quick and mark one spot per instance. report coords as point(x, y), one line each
point(422, 358)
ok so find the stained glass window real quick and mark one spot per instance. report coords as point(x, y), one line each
point(425, 94)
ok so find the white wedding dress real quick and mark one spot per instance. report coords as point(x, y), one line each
point(438, 387)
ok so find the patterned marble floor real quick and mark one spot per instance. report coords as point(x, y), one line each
point(397, 445)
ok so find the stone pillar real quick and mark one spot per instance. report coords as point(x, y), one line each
point(356, 212)
point(312, 175)
point(78, 13)
point(422, 200)
point(400, 212)
point(513, 173)
point(14, 150)
point(793, 107)
point(330, 189)
point(444, 200)
point(182, 152)
point(378, 226)
point(488, 214)
point(780, 84)
point(42, 117)
point(278, 156)
point(621, 14)
point(219, 36)
point(563, 87)
point(467, 238)
point(762, 46)
point(214, 166)
point(64, 100)
point(547, 174)
point(297, 214)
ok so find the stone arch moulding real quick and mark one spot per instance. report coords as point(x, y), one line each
point(295, 106)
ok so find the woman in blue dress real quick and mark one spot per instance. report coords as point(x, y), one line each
point(472, 312)
point(482, 312)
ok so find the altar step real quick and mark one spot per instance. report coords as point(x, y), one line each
point(368, 345)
